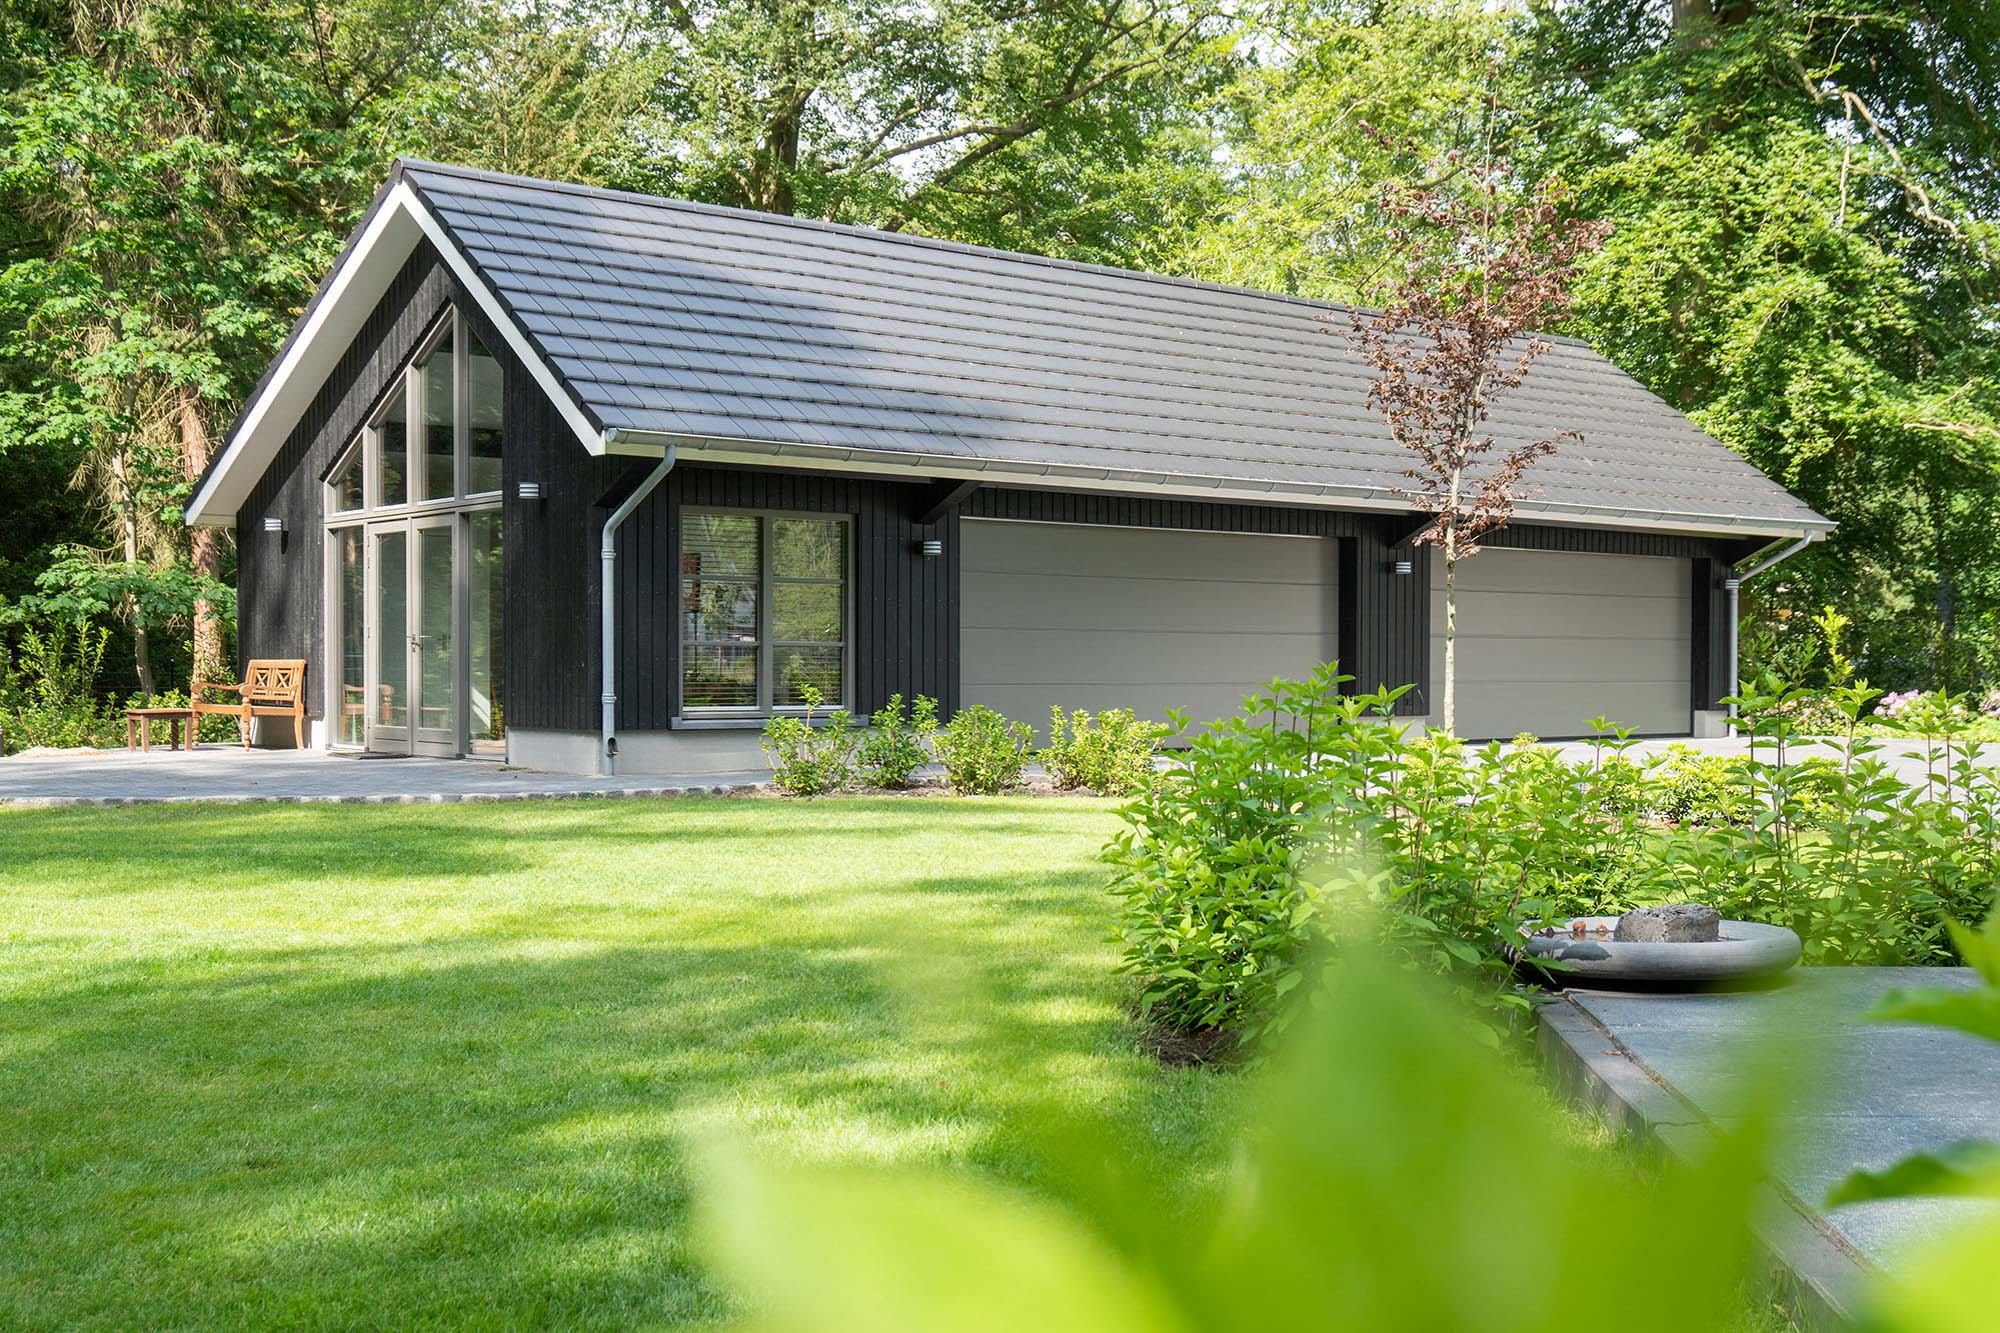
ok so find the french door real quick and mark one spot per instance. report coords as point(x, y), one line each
point(416, 662)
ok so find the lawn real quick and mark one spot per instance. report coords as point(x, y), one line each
point(447, 1065)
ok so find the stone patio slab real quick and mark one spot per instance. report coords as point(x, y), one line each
point(228, 773)
point(1851, 1094)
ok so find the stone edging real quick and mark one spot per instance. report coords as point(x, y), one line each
point(1817, 1269)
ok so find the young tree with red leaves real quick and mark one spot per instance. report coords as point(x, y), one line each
point(1483, 266)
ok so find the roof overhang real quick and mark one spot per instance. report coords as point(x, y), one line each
point(390, 232)
point(1001, 472)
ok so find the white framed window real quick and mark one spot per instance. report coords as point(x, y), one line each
point(765, 611)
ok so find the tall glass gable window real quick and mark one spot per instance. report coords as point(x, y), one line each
point(414, 559)
point(764, 611)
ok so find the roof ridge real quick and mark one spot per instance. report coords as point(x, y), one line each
point(905, 238)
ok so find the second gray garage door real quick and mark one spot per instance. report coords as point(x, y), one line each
point(1094, 617)
point(1548, 640)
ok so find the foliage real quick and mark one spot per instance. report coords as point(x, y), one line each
point(808, 759)
point(982, 752)
point(896, 744)
point(1379, 1179)
point(1111, 754)
point(1282, 820)
point(1803, 259)
point(46, 695)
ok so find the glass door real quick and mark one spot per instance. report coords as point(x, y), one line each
point(413, 621)
point(388, 689)
point(433, 640)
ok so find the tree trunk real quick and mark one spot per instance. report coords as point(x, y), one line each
point(204, 546)
point(1450, 637)
point(128, 526)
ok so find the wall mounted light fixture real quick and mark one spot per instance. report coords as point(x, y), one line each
point(274, 525)
point(1406, 567)
point(931, 546)
point(529, 490)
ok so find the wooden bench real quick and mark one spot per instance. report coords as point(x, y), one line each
point(269, 689)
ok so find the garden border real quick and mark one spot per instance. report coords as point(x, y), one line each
point(1820, 1274)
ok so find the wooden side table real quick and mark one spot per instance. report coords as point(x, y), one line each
point(180, 723)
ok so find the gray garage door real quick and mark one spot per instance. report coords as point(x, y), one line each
point(1548, 640)
point(1097, 617)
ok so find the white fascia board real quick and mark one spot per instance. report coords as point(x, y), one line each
point(587, 434)
point(330, 326)
point(825, 458)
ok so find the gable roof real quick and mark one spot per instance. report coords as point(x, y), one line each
point(744, 336)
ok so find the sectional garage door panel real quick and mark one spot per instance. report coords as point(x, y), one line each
point(1094, 617)
point(1548, 640)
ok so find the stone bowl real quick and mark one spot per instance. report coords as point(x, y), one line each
point(1747, 951)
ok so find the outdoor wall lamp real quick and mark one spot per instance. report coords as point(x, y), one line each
point(529, 490)
point(1405, 567)
point(276, 525)
point(931, 546)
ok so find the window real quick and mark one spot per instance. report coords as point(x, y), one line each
point(440, 434)
point(483, 439)
point(346, 484)
point(439, 438)
point(763, 610)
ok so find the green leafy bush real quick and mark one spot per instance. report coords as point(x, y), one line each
point(808, 760)
point(48, 692)
point(982, 752)
point(1233, 863)
point(897, 744)
point(1111, 753)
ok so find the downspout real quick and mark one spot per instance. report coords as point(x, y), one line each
point(1733, 585)
point(607, 742)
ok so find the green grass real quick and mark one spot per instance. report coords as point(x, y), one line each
point(360, 1065)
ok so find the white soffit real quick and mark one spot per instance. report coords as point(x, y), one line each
point(331, 324)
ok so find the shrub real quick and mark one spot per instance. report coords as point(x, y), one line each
point(982, 752)
point(1111, 753)
point(48, 694)
point(898, 744)
point(807, 760)
point(1232, 863)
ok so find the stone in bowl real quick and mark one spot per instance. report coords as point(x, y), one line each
point(1594, 954)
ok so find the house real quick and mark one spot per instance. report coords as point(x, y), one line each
point(579, 477)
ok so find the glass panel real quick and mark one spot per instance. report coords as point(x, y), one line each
point(392, 634)
point(352, 610)
point(483, 442)
point(395, 454)
point(488, 726)
point(436, 670)
point(719, 675)
point(440, 414)
point(805, 613)
point(799, 667)
point(808, 548)
point(347, 484)
point(720, 592)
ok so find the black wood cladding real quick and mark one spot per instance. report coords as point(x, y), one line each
point(278, 582)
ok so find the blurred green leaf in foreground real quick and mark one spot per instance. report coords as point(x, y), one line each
point(1395, 1173)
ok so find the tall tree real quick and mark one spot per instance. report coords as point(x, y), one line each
point(899, 116)
point(1805, 196)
